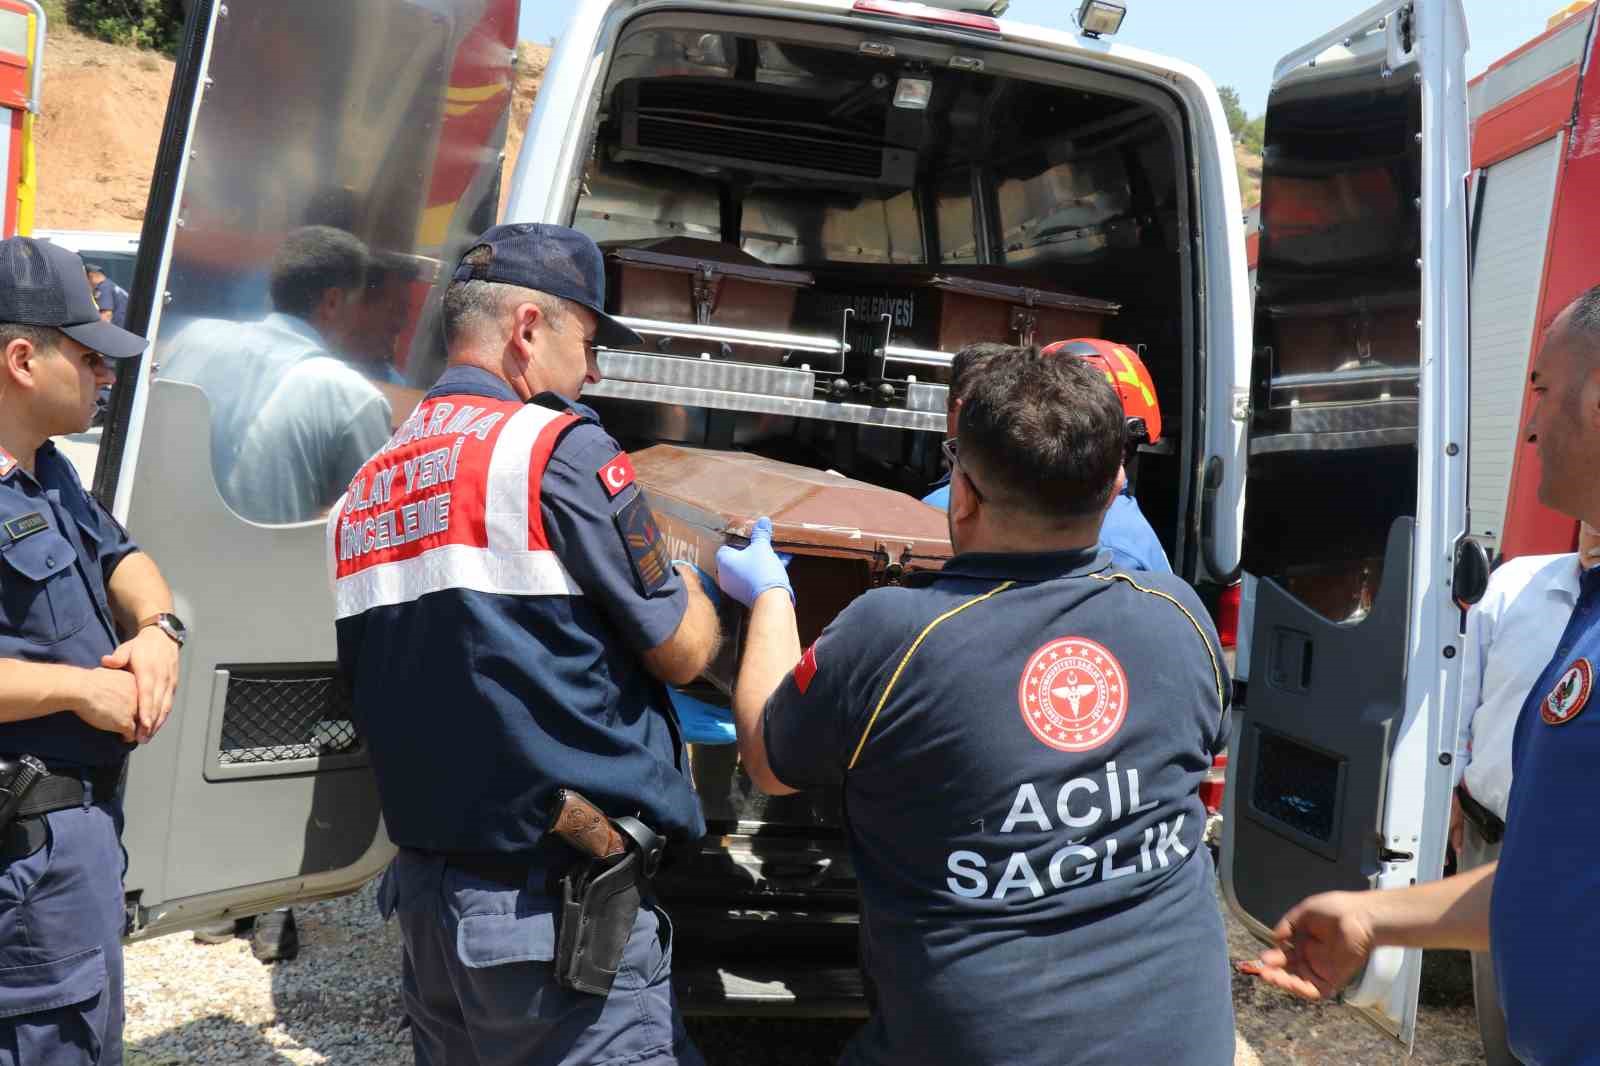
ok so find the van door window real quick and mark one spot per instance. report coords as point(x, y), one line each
point(958, 234)
point(1063, 211)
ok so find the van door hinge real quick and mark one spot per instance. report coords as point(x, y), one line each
point(1241, 405)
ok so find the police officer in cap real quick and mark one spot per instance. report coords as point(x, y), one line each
point(88, 663)
point(507, 617)
point(1020, 738)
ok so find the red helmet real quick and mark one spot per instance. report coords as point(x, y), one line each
point(1127, 373)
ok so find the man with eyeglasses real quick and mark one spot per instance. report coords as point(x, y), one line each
point(508, 620)
point(1020, 740)
point(1125, 533)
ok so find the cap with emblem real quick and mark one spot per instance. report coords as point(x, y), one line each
point(43, 284)
point(551, 259)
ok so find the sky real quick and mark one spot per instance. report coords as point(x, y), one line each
point(1236, 41)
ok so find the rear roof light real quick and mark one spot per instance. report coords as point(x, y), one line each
point(905, 9)
point(1228, 615)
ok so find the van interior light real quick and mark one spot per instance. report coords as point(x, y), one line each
point(913, 94)
point(1101, 18)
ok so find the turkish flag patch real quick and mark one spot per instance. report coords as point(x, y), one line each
point(805, 669)
point(617, 474)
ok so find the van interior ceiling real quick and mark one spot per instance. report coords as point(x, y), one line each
point(911, 200)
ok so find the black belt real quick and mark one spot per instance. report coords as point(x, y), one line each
point(1490, 826)
point(54, 792)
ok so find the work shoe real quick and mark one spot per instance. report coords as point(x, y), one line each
point(220, 932)
point(275, 939)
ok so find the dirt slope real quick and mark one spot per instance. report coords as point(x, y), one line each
point(97, 133)
point(101, 125)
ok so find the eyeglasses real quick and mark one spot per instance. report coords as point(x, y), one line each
point(948, 448)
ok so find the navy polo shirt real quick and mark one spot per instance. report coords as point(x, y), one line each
point(1021, 739)
point(1544, 920)
point(478, 705)
point(59, 548)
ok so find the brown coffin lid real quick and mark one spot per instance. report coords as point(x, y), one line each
point(689, 255)
point(812, 512)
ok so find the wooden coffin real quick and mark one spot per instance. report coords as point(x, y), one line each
point(846, 536)
point(681, 279)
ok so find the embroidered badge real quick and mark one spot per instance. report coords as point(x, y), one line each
point(7, 463)
point(617, 474)
point(26, 525)
point(641, 538)
point(1566, 701)
point(806, 669)
point(1073, 694)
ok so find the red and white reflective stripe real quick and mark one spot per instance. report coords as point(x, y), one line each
point(509, 503)
point(452, 566)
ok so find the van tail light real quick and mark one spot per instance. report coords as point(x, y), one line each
point(1211, 788)
point(1228, 615)
point(903, 9)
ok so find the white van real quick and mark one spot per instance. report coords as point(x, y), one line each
point(808, 204)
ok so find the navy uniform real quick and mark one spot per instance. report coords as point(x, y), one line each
point(1020, 739)
point(497, 576)
point(61, 860)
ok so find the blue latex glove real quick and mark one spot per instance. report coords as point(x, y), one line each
point(745, 573)
point(713, 593)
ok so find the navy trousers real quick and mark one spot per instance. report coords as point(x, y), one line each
point(478, 981)
point(61, 919)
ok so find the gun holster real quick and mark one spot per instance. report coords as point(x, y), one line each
point(600, 899)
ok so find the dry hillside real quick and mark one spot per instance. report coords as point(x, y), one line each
point(101, 124)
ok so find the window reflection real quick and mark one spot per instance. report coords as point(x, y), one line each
point(292, 418)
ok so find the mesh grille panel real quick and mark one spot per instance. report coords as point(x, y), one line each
point(275, 716)
point(1296, 786)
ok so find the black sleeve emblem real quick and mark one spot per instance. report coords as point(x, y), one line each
point(641, 539)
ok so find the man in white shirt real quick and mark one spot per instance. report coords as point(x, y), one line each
point(290, 422)
point(1511, 634)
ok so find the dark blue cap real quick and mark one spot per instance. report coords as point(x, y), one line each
point(43, 284)
point(550, 259)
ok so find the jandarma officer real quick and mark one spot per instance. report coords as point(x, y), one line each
point(1020, 739)
point(74, 696)
point(507, 617)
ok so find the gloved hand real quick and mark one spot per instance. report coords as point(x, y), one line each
point(745, 573)
point(706, 584)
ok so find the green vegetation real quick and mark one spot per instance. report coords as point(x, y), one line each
point(1254, 135)
point(1232, 109)
point(156, 24)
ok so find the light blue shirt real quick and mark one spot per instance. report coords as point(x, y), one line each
point(1126, 534)
point(290, 424)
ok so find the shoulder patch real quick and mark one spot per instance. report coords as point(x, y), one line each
point(805, 671)
point(26, 526)
point(616, 475)
point(641, 539)
point(7, 463)
point(1566, 701)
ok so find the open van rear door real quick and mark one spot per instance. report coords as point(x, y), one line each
point(1340, 761)
point(383, 119)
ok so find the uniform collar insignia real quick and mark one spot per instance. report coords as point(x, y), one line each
point(1571, 693)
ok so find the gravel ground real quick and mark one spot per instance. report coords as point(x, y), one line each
point(339, 1003)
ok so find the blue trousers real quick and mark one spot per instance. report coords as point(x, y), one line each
point(478, 981)
point(61, 919)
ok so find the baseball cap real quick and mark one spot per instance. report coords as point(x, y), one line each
point(42, 284)
point(550, 259)
point(1127, 373)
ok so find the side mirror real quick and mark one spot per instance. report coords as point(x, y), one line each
point(1470, 576)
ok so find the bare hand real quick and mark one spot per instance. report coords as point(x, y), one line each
point(152, 657)
point(1456, 822)
point(1322, 943)
point(110, 702)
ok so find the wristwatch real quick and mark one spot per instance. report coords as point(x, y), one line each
point(170, 624)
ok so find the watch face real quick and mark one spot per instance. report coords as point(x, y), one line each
point(174, 627)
